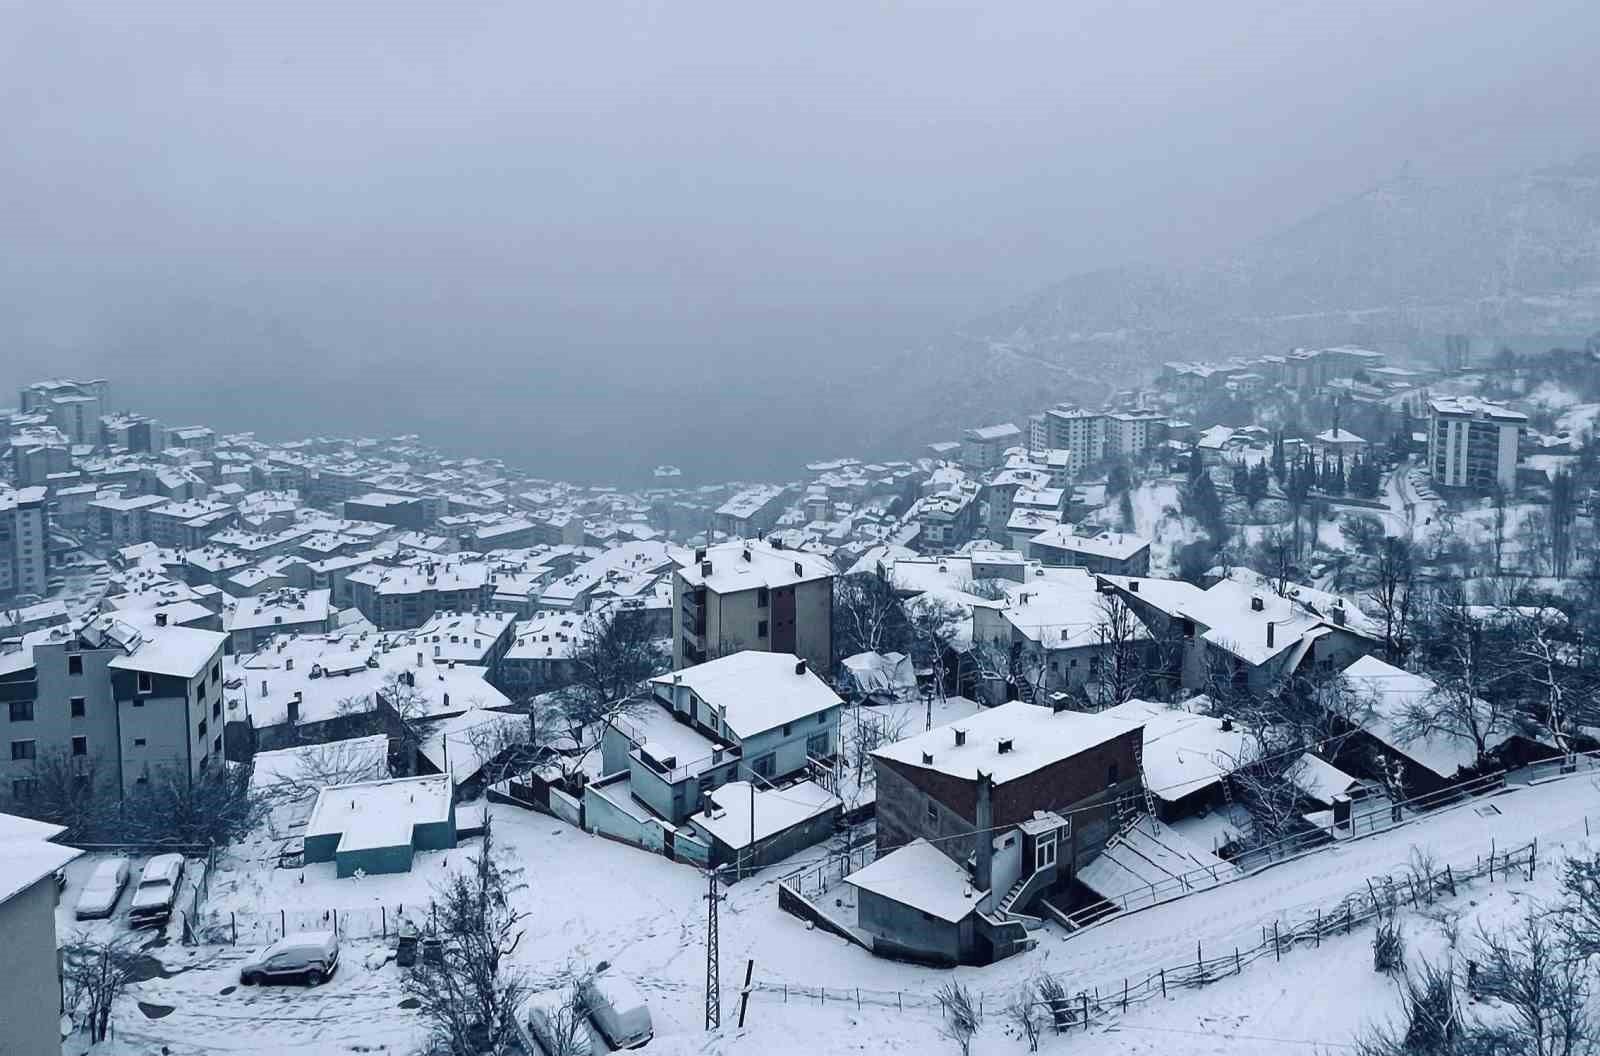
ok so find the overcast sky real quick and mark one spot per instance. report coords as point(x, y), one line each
point(574, 186)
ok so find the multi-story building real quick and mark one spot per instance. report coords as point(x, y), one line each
point(1130, 433)
point(1079, 431)
point(73, 406)
point(400, 511)
point(1103, 551)
point(399, 597)
point(184, 525)
point(134, 433)
point(119, 703)
point(24, 542)
point(985, 447)
point(752, 511)
point(39, 453)
point(1473, 443)
point(252, 621)
point(123, 521)
point(749, 594)
point(30, 1001)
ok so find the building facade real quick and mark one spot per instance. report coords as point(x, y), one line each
point(24, 543)
point(752, 595)
point(1474, 444)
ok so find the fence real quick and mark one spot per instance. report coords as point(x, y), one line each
point(197, 900)
point(254, 929)
point(1087, 1006)
point(1254, 860)
point(810, 881)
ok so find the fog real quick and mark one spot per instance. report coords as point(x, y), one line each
point(592, 237)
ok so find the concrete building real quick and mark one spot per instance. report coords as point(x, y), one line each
point(378, 826)
point(123, 521)
point(401, 511)
point(1473, 443)
point(30, 1000)
point(399, 597)
point(251, 622)
point(1131, 433)
point(985, 448)
point(750, 594)
point(1079, 431)
point(751, 512)
point(185, 525)
point(24, 543)
point(1113, 553)
point(73, 406)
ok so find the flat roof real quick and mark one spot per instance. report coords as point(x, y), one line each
point(370, 814)
point(179, 652)
point(775, 810)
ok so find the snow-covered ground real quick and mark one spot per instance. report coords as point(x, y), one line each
point(590, 899)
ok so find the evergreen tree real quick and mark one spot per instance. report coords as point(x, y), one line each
point(1257, 488)
point(1241, 479)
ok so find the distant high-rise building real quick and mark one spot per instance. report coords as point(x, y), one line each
point(1473, 443)
point(24, 531)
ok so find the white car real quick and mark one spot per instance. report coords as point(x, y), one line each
point(153, 899)
point(99, 896)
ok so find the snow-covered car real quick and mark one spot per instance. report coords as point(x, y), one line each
point(99, 895)
point(618, 1008)
point(305, 956)
point(157, 892)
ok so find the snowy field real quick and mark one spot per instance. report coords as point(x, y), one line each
point(590, 899)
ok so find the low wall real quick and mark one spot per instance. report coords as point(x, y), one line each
point(566, 808)
point(791, 902)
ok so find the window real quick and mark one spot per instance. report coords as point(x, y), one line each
point(1111, 774)
point(933, 813)
point(216, 709)
point(22, 711)
point(146, 683)
point(80, 746)
point(138, 742)
point(138, 703)
point(143, 779)
point(1044, 852)
point(765, 766)
point(822, 718)
point(761, 629)
point(202, 729)
point(21, 750)
point(79, 707)
point(817, 745)
point(216, 743)
point(788, 728)
point(74, 665)
point(24, 788)
point(761, 598)
point(216, 673)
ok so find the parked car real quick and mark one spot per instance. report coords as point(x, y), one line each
point(544, 1025)
point(618, 1009)
point(157, 892)
point(99, 895)
point(307, 956)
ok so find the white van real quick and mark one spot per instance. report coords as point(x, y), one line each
point(544, 1025)
point(619, 1010)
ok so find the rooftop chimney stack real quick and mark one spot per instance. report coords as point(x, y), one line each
point(983, 879)
point(1271, 637)
point(1256, 604)
point(961, 738)
point(800, 667)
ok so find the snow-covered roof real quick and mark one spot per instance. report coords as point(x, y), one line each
point(1391, 691)
point(765, 566)
point(755, 691)
point(1114, 546)
point(179, 652)
point(1474, 407)
point(1185, 752)
point(776, 810)
point(1146, 856)
point(285, 607)
point(1060, 608)
point(1338, 436)
point(461, 745)
point(1037, 737)
point(370, 814)
point(920, 876)
point(355, 757)
point(1319, 779)
point(990, 433)
point(26, 855)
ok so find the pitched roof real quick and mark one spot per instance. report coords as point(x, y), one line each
point(755, 691)
point(1038, 738)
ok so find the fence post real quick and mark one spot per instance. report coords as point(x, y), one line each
point(858, 999)
point(336, 920)
point(1163, 982)
point(1124, 993)
point(383, 912)
point(233, 922)
point(1533, 857)
point(1450, 879)
point(1199, 962)
point(1319, 927)
point(1237, 967)
point(283, 920)
point(1277, 946)
point(1347, 918)
point(1491, 859)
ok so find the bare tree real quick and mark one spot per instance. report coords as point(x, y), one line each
point(935, 628)
point(215, 808)
point(69, 790)
point(1545, 989)
point(95, 972)
point(1467, 665)
point(1023, 1011)
point(565, 1030)
point(1497, 501)
point(334, 763)
point(1548, 668)
point(470, 995)
point(1392, 594)
point(1275, 557)
point(1122, 637)
point(615, 657)
point(962, 1019)
point(868, 616)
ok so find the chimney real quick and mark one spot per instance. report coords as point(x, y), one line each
point(799, 667)
point(984, 875)
point(961, 738)
point(161, 619)
point(699, 553)
point(927, 758)
point(1256, 604)
point(1003, 746)
point(1058, 703)
point(747, 553)
point(1271, 637)
point(1133, 586)
point(705, 568)
point(1227, 724)
point(1338, 614)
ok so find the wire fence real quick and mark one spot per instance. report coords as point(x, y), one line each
point(812, 880)
point(234, 928)
point(1074, 1005)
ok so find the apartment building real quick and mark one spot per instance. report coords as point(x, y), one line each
point(401, 511)
point(400, 597)
point(985, 448)
point(1473, 443)
point(749, 594)
point(1079, 431)
point(24, 539)
point(752, 511)
point(30, 1000)
point(184, 525)
point(75, 407)
point(1130, 433)
point(119, 702)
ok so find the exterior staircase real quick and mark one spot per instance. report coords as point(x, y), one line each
point(1009, 899)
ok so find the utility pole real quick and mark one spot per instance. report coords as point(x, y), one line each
point(713, 984)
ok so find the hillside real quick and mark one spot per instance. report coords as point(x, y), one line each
point(1394, 267)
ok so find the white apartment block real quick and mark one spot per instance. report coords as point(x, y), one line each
point(1079, 431)
point(1473, 443)
point(24, 531)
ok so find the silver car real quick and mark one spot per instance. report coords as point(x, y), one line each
point(303, 956)
point(157, 891)
point(99, 895)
